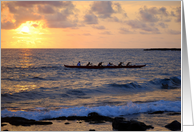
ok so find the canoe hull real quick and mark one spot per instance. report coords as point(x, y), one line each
point(102, 67)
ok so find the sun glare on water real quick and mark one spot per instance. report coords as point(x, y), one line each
point(25, 29)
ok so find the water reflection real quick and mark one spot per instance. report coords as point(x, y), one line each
point(26, 58)
point(19, 88)
point(24, 88)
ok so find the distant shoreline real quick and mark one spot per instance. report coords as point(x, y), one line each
point(164, 49)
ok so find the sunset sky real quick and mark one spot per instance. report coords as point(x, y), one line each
point(90, 24)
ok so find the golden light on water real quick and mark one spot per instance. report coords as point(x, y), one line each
point(18, 88)
point(26, 60)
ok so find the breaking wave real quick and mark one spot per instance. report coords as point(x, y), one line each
point(170, 83)
point(112, 111)
point(127, 85)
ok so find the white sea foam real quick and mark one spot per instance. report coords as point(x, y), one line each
point(112, 111)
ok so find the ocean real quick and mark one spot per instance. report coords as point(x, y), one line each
point(36, 85)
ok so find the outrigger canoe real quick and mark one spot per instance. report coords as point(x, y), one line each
point(101, 67)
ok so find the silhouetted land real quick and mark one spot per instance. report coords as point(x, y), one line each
point(164, 49)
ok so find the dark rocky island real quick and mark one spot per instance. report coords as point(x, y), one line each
point(163, 49)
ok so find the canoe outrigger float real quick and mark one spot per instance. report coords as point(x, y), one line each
point(101, 67)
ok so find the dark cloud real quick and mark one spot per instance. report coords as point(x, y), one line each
point(172, 13)
point(150, 18)
point(144, 33)
point(87, 34)
point(152, 24)
point(163, 25)
point(163, 11)
point(118, 7)
point(124, 31)
point(68, 8)
point(155, 32)
point(125, 14)
point(3, 6)
point(8, 25)
point(55, 13)
point(153, 14)
point(64, 24)
point(137, 24)
point(28, 4)
point(103, 8)
point(178, 11)
point(99, 27)
point(46, 9)
point(57, 17)
point(19, 19)
point(11, 8)
point(106, 33)
point(60, 20)
point(15, 6)
point(91, 19)
point(152, 10)
point(174, 32)
point(167, 20)
point(177, 15)
point(114, 19)
point(147, 16)
point(35, 25)
point(26, 16)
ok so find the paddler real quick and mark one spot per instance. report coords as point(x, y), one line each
point(100, 64)
point(120, 64)
point(79, 64)
point(88, 64)
point(128, 63)
point(109, 64)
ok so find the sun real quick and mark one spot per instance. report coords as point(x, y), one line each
point(25, 29)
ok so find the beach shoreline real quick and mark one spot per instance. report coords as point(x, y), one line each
point(75, 123)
